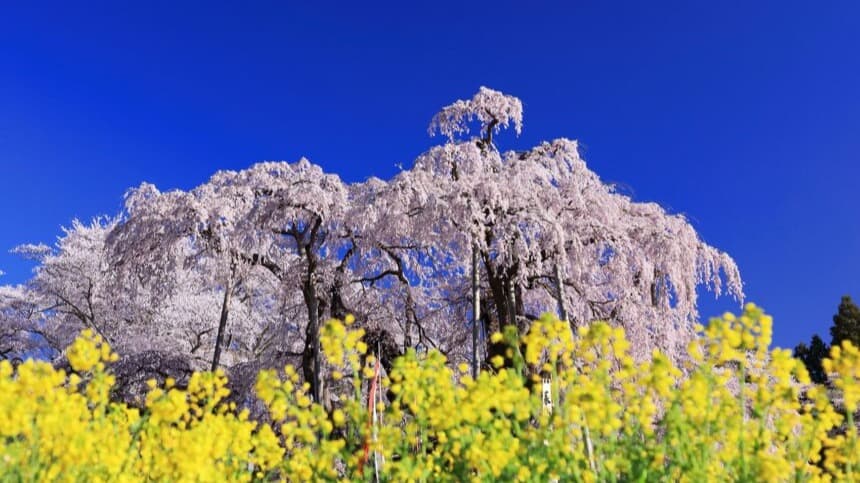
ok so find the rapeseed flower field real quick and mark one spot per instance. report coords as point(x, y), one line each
point(735, 411)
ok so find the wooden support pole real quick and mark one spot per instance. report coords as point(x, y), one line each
point(476, 311)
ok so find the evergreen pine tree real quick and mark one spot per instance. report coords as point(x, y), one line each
point(812, 356)
point(846, 323)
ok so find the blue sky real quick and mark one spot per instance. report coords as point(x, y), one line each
point(741, 115)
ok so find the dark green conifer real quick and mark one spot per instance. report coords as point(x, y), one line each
point(846, 323)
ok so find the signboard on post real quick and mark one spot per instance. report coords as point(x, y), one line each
point(546, 394)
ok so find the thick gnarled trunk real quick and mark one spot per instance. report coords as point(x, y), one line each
point(222, 321)
point(311, 354)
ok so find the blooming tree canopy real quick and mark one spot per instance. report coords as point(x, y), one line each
point(245, 266)
point(550, 233)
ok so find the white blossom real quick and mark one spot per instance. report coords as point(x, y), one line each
point(262, 254)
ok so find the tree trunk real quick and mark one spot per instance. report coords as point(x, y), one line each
point(502, 292)
point(307, 242)
point(523, 322)
point(311, 355)
point(222, 323)
point(499, 296)
point(657, 288)
point(559, 281)
point(338, 309)
point(411, 318)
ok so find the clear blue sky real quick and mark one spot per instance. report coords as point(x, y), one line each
point(742, 115)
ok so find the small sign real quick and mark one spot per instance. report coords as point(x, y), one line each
point(546, 393)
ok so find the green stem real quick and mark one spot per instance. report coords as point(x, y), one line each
point(852, 432)
point(742, 385)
